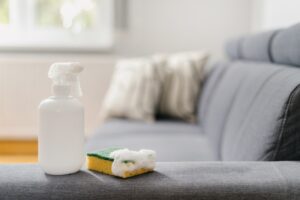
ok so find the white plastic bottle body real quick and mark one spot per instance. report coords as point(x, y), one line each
point(61, 135)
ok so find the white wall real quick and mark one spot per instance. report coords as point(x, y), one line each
point(153, 26)
point(179, 25)
point(24, 84)
point(274, 14)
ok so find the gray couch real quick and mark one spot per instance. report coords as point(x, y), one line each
point(249, 114)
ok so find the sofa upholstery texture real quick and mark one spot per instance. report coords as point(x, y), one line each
point(245, 145)
point(171, 180)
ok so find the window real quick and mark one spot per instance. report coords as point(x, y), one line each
point(56, 24)
point(4, 12)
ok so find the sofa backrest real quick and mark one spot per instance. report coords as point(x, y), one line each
point(215, 105)
point(250, 106)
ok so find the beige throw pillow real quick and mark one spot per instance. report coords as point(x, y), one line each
point(134, 90)
point(182, 84)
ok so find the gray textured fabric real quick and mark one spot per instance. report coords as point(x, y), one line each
point(209, 86)
point(286, 46)
point(277, 46)
point(253, 47)
point(257, 47)
point(218, 109)
point(189, 180)
point(233, 48)
point(287, 170)
point(173, 141)
point(254, 117)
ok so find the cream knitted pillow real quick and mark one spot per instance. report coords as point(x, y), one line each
point(134, 90)
point(182, 84)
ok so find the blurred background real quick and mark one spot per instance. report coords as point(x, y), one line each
point(36, 33)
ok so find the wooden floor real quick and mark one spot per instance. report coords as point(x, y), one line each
point(18, 151)
point(18, 158)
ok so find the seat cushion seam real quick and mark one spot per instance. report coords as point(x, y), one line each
point(252, 101)
point(270, 44)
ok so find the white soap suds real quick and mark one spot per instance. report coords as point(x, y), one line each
point(126, 160)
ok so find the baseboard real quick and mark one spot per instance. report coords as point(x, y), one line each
point(12, 159)
point(18, 147)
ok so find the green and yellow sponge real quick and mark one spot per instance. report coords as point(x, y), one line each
point(124, 163)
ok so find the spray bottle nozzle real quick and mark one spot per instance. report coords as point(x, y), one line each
point(67, 75)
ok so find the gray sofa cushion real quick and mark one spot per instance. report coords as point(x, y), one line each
point(255, 47)
point(209, 86)
point(286, 46)
point(218, 108)
point(254, 117)
point(189, 180)
point(278, 46)
point(173, 141)
point(233, 48)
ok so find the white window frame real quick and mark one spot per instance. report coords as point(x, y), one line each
point(22, 34)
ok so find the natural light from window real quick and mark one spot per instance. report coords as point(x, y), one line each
point(4, 14)
point(56, 24)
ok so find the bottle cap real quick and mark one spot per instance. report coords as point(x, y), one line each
point(65, 78)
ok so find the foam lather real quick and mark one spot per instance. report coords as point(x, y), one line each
point(121, 162)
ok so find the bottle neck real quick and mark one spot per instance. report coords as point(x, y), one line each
point(61, 90)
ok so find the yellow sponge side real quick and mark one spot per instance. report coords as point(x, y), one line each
point(104, 166)
point(128, 174)
point(99, 165)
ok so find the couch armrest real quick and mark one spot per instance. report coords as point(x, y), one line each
point(180, 180)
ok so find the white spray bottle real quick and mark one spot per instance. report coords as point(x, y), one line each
point(61, 122)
